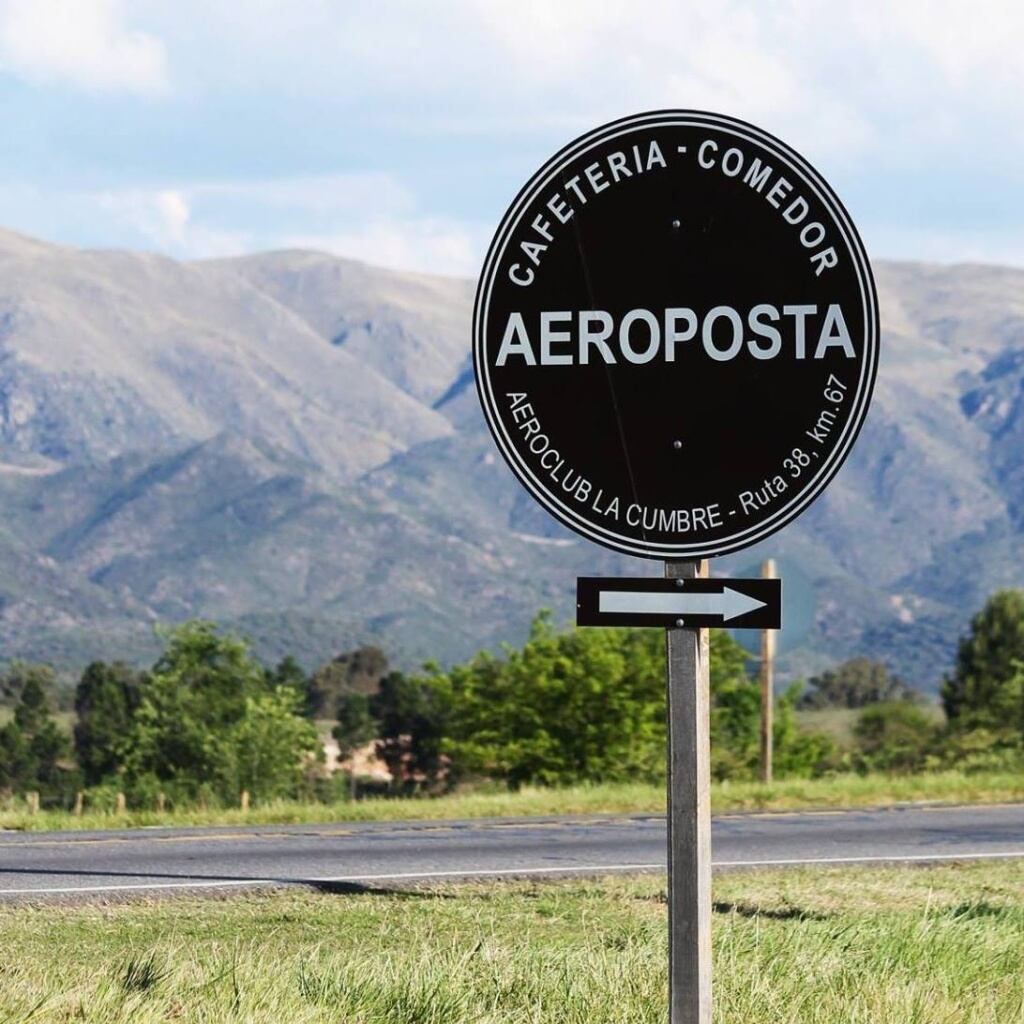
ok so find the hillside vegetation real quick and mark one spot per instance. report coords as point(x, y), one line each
point(290, 443)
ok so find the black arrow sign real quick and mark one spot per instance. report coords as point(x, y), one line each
point(739, 604)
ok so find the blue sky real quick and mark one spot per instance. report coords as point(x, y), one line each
point(396, 131)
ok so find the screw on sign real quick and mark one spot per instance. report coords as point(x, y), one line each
point(675, 340)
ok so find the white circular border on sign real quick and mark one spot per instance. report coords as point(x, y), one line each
point(869, 365)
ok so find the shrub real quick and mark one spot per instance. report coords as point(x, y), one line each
point(895, 736)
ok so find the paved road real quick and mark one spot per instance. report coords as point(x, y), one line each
point(350, 856)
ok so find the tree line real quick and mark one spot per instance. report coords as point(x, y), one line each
point(208, 720)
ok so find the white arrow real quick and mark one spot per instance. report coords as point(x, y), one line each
point(729, 604)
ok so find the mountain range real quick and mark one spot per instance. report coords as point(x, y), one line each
point(290, 443)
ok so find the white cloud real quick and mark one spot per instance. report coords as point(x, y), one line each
point(174, 213)
point(369, 217)
point(825, 75)
point(320, 194)
point(974, 45)
point(427, 244)
point(160, 219)
point(921, 96)
point(81, 43)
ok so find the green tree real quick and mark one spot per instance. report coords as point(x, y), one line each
point(15, 763)
point(106, 698)
point(32, 747)
point(589, 705)
point(32, 711)
point(356, 724)
point(271, 743)
point(288, 672)
point(895, 736)
point(569, 707)
point(413, 716)
point(357, 671)
point(195, 695)
point(18, 674)
point(735, 711)
point(736, 722)
point(356, 727)
point(578, 706)
point(855, 684)
point(798, 752)
point(986, 688)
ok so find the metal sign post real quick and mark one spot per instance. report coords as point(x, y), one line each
point(675, 341)
point(689, 815)
point(767, 686)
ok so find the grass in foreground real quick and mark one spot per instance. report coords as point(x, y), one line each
point(896, 946)
point(786, 795)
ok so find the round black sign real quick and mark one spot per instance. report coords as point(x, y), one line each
point(676, 335)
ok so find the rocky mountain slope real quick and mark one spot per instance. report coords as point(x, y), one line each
point(291, 443)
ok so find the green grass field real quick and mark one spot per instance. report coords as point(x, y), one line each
point(939, 945)
point(727, 797)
